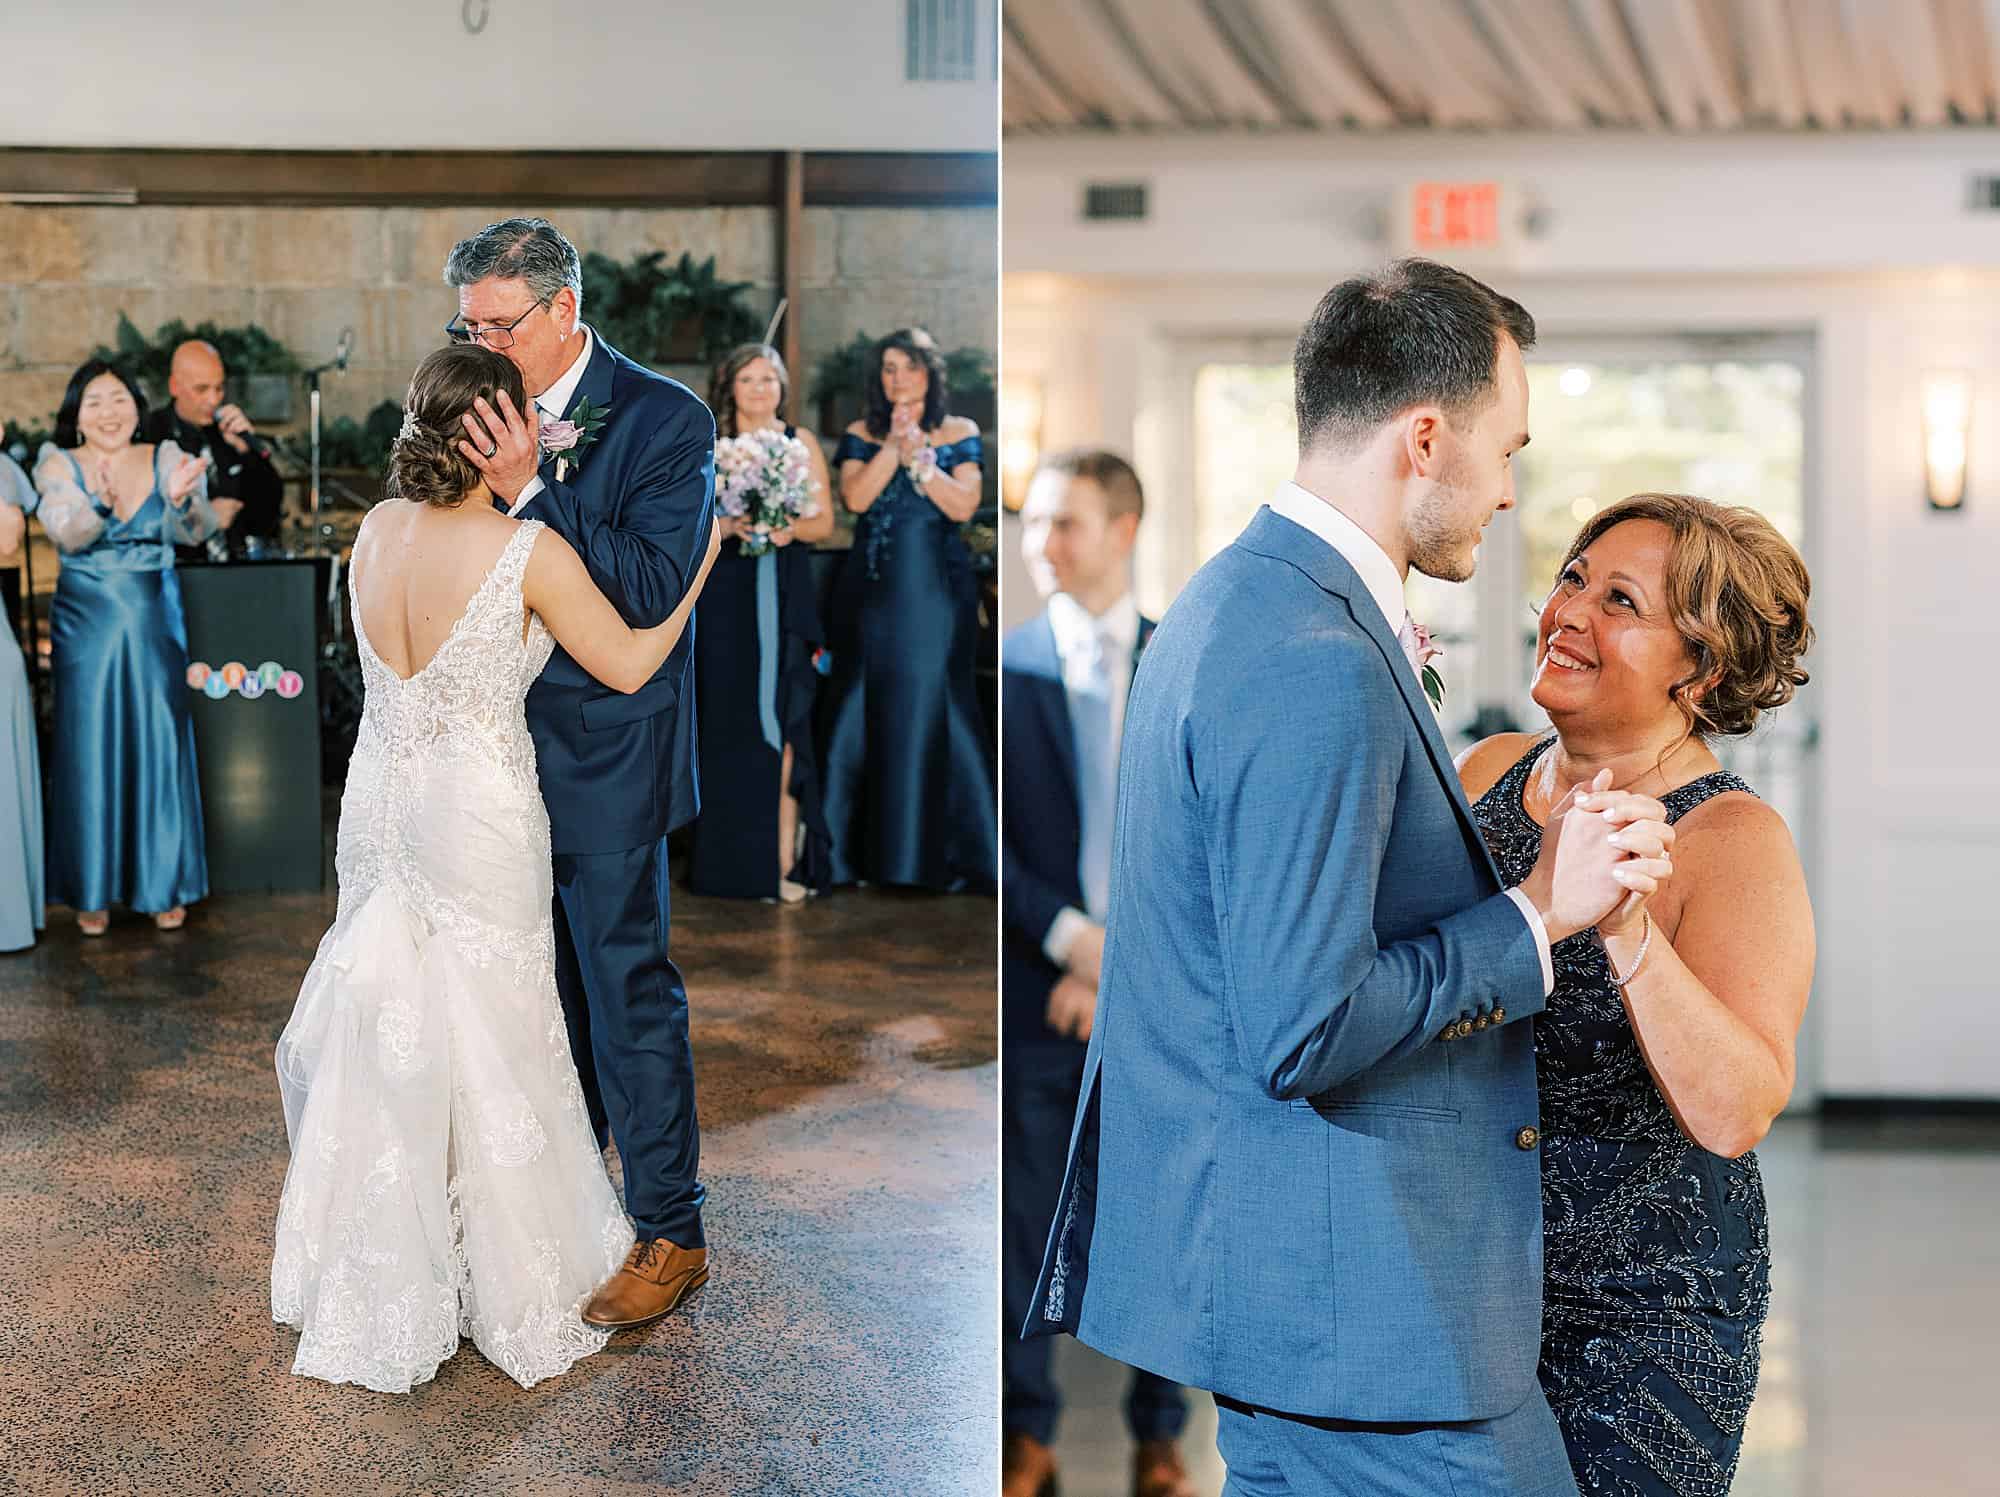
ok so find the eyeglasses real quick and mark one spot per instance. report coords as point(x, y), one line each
point(495, 335)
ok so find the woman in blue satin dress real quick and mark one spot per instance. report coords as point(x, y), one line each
point(1667, 1046)
point(761, 834)
point(21, 897)
point(124, 806)
point(909, 789)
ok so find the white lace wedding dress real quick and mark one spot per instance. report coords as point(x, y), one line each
point(444, 1178)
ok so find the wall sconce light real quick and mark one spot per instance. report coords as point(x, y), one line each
point(1947, 415)
point(1020, 436)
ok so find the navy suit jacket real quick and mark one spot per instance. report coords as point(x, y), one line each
point(1297, 1174)
point(1040, 825)
point(619, 770)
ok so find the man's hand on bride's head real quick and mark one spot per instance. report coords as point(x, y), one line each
point(503, 445)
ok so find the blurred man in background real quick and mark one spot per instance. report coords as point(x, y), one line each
point(1065, 676)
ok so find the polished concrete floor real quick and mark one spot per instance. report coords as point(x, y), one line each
point(1880, 1376)
point(845, 1058)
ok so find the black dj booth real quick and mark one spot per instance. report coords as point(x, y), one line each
point(253, 646)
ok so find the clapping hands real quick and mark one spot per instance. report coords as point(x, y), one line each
point(906, 430)
point(181, 482)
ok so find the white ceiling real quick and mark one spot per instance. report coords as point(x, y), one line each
point(1074, 66)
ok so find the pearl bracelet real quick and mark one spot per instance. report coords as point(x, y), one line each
point(1638, 961)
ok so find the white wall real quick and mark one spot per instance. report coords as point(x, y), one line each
point(1888, 277)
point(541, 75)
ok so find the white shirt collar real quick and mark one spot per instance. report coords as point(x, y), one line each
point(1076, 630)
point(1360, 549)
point(555, 400)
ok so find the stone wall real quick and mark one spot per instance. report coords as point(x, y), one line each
point(303, 274)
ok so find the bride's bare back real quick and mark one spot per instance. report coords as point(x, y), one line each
point(416, 567)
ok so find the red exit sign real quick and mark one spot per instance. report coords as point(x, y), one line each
point(1455, 216)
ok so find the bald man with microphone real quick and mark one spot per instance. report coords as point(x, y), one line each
point(243, 486)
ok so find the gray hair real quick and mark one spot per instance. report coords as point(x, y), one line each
point(518, 249)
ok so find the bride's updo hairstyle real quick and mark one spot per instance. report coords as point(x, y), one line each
point(425, 465)
point(1737, 594)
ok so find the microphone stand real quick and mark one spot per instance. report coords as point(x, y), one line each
point(343, 350)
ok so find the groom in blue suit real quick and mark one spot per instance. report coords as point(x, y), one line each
point(632, 489)
point(1303, 1171)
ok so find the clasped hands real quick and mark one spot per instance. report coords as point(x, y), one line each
point(1605, 853)
point(906, 431)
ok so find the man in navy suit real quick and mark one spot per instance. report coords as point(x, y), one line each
point(634, 495)
point(1064, 679)
point(1304, 1170)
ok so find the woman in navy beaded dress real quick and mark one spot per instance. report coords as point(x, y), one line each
point(124, 809)
point(909, 789)
point(1667, 1046)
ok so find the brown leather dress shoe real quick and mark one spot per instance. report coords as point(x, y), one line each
point(1157, 1471)
point(657, 1276)
point(1027, 1467)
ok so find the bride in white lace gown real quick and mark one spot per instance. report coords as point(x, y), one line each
point(444, 1178)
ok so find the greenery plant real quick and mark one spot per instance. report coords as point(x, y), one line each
point(244, 350)
point(667, 312)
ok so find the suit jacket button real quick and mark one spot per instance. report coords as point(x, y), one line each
point(1499, 1016)
point(1481, 1022)
point(1527, 1138)
point(1464, 1028)
point(1449, 1032)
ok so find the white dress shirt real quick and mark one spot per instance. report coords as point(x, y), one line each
point(1079, 637)
point(553, 402)
point(1378, 574)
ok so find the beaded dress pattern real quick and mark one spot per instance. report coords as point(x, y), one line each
point(444, 1179)
point(1656, 1253)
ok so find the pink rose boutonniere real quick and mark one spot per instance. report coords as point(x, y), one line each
point(1426, 653)
point(567, 441)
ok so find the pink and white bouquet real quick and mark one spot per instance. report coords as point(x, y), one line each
point(763, 478)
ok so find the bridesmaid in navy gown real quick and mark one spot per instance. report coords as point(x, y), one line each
point(909, 789)
point(1666, 1048)
point(124, 811)
point(761, 833)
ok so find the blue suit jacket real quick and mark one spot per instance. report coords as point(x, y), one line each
point(619, 770)
point(1285, 1184)
point(1040, 825)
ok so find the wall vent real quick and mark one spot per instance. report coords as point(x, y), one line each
point(1110, 201)
point(941, 41)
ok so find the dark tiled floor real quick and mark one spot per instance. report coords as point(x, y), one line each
point(845, 1059)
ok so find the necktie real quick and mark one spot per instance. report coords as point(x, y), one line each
point(1096, 776)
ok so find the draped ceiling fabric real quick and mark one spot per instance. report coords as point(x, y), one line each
point(1688, 65)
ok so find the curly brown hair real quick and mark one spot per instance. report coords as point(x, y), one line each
point(1737, 593)
point(425, 465)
